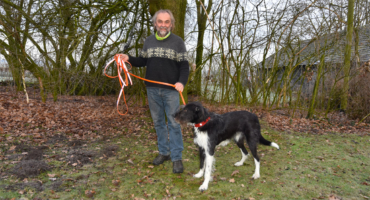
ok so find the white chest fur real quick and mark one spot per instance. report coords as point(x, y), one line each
point(201, 138)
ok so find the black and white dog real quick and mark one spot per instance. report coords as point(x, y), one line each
point(211, 129)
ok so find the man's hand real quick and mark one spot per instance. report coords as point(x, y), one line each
point(124, 57)
point(179, 87)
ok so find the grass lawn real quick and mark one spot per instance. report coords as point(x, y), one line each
point(308, 166)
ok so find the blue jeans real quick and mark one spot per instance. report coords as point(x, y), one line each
point(166, 102)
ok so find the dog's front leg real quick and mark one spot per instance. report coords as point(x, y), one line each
point(208, 171)
point(202, 156)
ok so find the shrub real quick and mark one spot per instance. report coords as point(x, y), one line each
point(359, 90)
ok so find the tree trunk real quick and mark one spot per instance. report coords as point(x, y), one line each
point(201, 21)
point(316, 88)
point(347, 55)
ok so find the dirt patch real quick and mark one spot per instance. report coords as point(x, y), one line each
point(22, 148)
point(14, 157)
point(8, 105)
point(82, 176)
point(21, 186)
point(34, 154)
point(26, 148)
point(27, 168)
point(109, 151)
point(57, 139)
point(76, 143)
point(80, 157)
point(56, 186)
point(57, 156)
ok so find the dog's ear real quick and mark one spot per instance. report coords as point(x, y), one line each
point(200, 109)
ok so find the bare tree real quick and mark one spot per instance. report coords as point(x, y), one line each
point(347, 56)
point(65, 44)
point(202, 12)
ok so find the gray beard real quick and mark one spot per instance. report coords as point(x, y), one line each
point(163, 33)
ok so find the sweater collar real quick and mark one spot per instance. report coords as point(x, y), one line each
point(162, 38)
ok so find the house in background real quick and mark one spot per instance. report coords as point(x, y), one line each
point(302, 59)
point(6, 74)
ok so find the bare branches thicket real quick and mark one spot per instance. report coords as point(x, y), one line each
point(255, 52)
point(269, 53)
point(65, 44)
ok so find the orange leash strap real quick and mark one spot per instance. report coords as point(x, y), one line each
point(121, 66)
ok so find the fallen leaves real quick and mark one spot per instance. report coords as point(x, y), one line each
point(130, 161)
point(12, 148)
point(235, 172)
point(333, 197)
point(116, 182)
point(89, 193)
point(77, 117)
point(283, 120)
point(51, 175)
point(365, 183)
point(320, 158)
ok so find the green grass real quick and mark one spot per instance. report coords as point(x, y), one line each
point(307, 166)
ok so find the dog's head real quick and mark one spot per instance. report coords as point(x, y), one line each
point(192, 113)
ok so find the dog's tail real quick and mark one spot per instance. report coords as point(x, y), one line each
point(268, 143)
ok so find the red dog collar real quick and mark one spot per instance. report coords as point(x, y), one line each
point(202, 123)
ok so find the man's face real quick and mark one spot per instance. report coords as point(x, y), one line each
point(163, 24)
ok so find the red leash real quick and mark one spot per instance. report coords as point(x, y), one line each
point(121, 66)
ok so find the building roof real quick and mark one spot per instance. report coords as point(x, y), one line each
point(308, 52)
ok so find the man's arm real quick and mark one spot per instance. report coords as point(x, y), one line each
point(134, 61)
point(183, 68)
point(184, 75)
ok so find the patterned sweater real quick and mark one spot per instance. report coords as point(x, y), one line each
point(166, 61)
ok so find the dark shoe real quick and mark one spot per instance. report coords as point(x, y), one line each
point(160, 159)
point(178, 167)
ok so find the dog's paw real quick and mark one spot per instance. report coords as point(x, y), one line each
point(239, 163)
point(198, 175)
point(203, 187)
point(255, 176)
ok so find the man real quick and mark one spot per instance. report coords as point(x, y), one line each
point(164, 55)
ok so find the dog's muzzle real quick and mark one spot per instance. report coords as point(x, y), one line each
point(177, 115)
